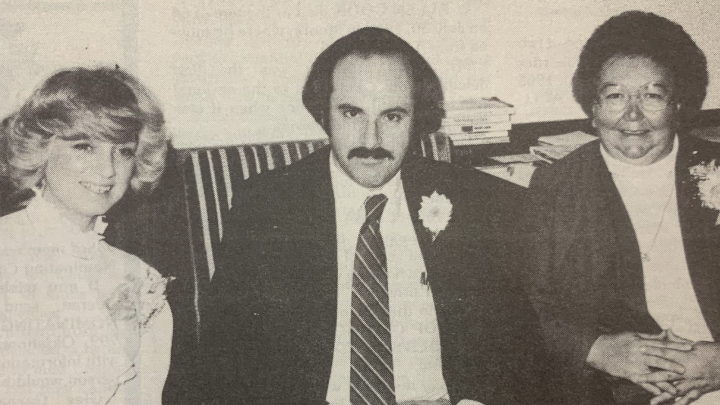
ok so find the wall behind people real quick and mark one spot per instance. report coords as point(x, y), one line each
point(40, 37)
point(231, 71)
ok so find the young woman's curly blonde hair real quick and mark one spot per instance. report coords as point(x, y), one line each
point(105, 103)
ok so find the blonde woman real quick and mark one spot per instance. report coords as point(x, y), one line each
point(81, 322)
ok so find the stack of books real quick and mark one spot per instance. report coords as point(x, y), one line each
point(477, 121)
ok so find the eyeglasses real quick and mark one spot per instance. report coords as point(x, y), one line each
point(652, 97)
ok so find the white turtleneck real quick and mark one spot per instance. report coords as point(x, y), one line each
point(650, 197)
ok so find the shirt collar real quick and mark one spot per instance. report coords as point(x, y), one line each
point(349, 193)
point(662, 166)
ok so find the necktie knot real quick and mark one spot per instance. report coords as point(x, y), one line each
point(374, 206)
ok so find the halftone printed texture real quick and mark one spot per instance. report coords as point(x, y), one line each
point(371, 373)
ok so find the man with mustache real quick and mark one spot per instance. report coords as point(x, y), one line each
point(364, 274)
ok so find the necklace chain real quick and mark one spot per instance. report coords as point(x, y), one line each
point(646, 254)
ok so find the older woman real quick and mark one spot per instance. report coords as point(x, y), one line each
point(80, 321)
point(623, 260)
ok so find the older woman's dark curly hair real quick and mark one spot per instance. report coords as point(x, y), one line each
point(641, 34)
point(107, 104)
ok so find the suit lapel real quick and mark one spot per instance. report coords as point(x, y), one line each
point(316, 215)
point(701, 237)
point(417, 183)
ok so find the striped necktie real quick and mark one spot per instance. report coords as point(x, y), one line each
point(371, 364)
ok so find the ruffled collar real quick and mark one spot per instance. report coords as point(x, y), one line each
point(49, 222)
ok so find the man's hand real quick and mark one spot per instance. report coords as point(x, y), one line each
point(625, 355)
point(702, 372)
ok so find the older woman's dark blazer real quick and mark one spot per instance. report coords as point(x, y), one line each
point(584, 271)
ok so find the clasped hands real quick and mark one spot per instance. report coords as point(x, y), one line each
point(674, 369)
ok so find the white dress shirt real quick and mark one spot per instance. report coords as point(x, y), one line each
point(650, 197)
point(413, 323)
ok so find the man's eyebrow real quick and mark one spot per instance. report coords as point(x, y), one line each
point(397, 109)
point(347, 106)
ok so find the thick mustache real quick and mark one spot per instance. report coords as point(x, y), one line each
point(365, 153)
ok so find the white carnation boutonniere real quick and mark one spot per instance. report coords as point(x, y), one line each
point(435, 212)
point(707, 176)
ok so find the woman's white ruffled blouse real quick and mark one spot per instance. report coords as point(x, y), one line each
point(81, 322)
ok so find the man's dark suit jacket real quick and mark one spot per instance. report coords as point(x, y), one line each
point(271, 314)
point(585, 273)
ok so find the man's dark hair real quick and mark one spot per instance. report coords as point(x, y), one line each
point(641, 34)
point(427, 90)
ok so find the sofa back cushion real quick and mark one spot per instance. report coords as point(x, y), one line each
point(210, 177)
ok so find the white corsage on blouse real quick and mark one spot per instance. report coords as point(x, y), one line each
point(707, 176)
point(136, 300)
